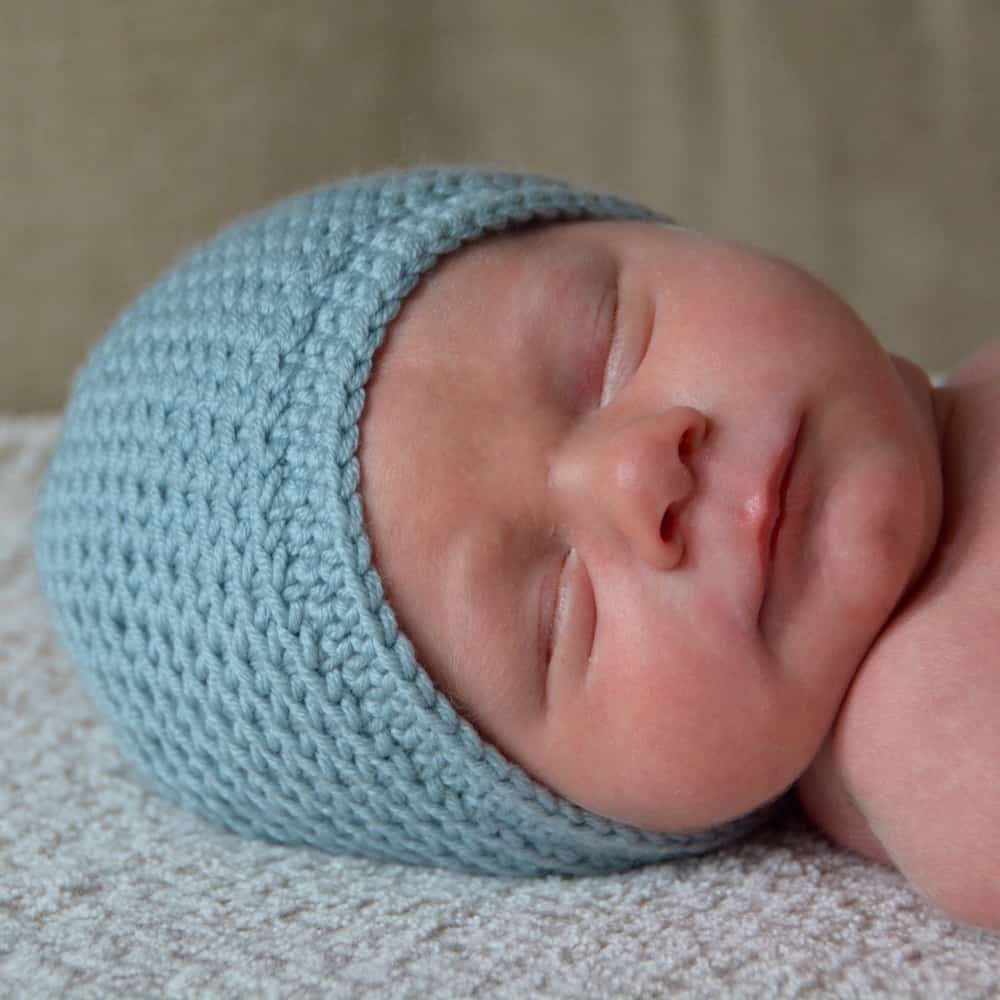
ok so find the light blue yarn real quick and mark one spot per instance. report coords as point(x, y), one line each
point(199, 540)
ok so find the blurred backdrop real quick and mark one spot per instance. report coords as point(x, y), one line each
point(857, 138)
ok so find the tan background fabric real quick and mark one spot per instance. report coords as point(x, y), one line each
point(859, 139)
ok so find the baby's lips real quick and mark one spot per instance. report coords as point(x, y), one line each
point(778, 512)
point(739, 509)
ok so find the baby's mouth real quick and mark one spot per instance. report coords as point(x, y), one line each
point(775, 517)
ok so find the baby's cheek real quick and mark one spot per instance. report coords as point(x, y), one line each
point(654, 700)
point(728, 721)
point(874, 526)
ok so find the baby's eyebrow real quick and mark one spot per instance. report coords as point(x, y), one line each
point(578, 262)
point(550, 297)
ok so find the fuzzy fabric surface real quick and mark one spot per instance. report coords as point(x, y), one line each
point(107, 891)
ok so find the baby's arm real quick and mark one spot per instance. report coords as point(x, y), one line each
point(911, 772)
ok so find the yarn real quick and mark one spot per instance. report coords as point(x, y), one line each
point(200, 541)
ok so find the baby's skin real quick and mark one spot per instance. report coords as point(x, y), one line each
point(910, 773)
point(675, 533)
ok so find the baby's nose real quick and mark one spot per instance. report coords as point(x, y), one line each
point(634, 478)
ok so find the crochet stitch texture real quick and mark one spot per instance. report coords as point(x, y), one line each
point(199, 538)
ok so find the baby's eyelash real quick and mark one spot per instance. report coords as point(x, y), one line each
point(571, 615)
point(616, 349)
point(552, 607)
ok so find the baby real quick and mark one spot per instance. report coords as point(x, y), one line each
point(629, 533)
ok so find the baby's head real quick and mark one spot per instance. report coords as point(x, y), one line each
point(638, 502)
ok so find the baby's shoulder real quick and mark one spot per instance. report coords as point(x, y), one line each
point(984, 364)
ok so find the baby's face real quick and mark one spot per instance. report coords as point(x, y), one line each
point(642, 501)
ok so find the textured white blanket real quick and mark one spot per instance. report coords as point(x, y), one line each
point(106, 891)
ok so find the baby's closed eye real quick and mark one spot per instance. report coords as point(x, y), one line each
point(568, 615)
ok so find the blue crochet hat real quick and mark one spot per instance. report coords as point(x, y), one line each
point(200, 541)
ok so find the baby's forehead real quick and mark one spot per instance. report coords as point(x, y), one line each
point(538, 254)
point(485, 301)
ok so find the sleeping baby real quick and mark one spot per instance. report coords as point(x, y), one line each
point(470, 519)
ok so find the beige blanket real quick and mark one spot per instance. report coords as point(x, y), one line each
point(107, 891)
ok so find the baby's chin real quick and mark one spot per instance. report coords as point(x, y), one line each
point(880, 530)
point(887, 513)
point(928, 460)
